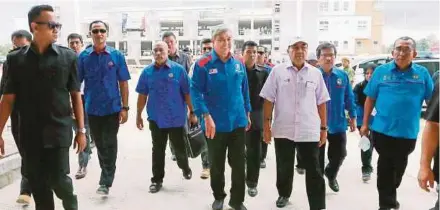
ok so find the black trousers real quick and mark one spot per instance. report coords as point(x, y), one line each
point(25, 188)
point(234, 143)
point(104, 130)
point(391, 165)
point(285, 159)
point(253, 156)
point(47, 170)
point(366, 157)
point(263, 149)
point(337, 151)
point(160, 138)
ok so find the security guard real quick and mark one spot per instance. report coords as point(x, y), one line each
point(105, 75)
point(341, 99)
point(396, 90)
point(40, 79)
point(220, 94)
point(19, 39)
point(166, 85)
point(261, 63)
point(256, 78)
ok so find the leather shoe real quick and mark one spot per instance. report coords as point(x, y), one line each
point(238, 207)
point(217, 205)
point(187, 174)
point(282, 202)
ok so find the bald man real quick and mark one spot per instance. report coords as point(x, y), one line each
point(166, 111)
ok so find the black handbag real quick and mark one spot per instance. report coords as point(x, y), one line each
point(195, 141)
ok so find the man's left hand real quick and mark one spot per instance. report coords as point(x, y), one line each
point(352, 124)
point(80, 142)
point(249, 123)
point(193, 119)
point(123, 116)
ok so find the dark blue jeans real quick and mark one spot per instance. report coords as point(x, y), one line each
point(84, 156)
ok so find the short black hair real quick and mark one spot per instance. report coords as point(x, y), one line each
point(98, 21)
point(323, 46)
point(371, 66)
point(206, 41)
point(75, 36)
point(35, 12)
point(22, 34)
point(168, 34)
point(406, 38)
point(248, 44)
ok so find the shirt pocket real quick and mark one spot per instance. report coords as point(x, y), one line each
point(56, 76)
point(307, 88)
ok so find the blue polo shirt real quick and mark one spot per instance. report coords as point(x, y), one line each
point(101, 73)
point(399, 97)
point(166, 87)
point(341, 99)
point(221, 89)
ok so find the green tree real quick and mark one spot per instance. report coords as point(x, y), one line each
point(423, 45)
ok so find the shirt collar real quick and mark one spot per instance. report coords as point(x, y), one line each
point(166, 64)
point(177, 55)
point(291, 66)
point(52, 47)
point(215, 56)
point(106, 50)
point(331, 71)
point(395, 68)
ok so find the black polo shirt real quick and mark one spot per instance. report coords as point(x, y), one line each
point(41, 84)
point(256, 78)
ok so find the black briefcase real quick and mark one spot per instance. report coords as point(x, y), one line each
point(195, 141)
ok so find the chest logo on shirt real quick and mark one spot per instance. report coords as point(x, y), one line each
point(339, 81)
point(415, 76)
point(386, 77)
point(170, 75)
point(110, 64)
point(212, 71)
point(237, 67)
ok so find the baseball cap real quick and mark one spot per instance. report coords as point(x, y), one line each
point(261, 49)
point(297, 40)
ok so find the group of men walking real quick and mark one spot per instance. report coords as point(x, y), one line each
point(241, 105)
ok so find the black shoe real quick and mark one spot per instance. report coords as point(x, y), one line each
point(252, 191)
point(333, 184)
point(396, 207)
point(217, 205)
point(263, 164)
point(238, 207)
point(187, 174)
point(282, 202)
point(102, 190)
point(173, 157)
point(366, 176)
point(155, 187)
point(300, 171)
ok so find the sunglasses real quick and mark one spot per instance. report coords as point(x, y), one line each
point(96, 31)
point(207, 48)
point(51, 25)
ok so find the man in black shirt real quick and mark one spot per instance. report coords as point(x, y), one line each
point(41, 77)
point(257, 76)
point(19, 39)
point(430, 145)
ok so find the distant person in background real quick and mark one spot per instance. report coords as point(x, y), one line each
point(359, 99)
point(19, 39)
point(206, 47)
point(76, 44)
point(312, 60)
point(347, 68)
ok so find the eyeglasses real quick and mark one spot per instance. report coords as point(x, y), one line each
point(404, 50)
point(52, 25)
point(96, 31)
point(261, 53)
point(74, 42)
point(207, 48)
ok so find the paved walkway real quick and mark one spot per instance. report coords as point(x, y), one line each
point(130, 190)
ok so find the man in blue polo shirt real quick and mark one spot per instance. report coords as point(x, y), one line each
point(166, 85)
point(105, 75)
point(220, 94)
point(341, 99)
point(396, 90)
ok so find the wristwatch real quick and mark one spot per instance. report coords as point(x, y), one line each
point(126, 108)
point(324, 128)
point(81, 130)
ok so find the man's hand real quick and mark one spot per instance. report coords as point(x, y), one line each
point(140, 122)
point(123, 116)
point(210, 127)
point(2, 146)
point(193, 119)
point(249, 123)
point(80, 142)
point(267, 132)
point(352, 124)
point(364, 130)
point(426, 178)
point(322, 138)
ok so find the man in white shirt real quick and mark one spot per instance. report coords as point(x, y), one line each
point(299, 93)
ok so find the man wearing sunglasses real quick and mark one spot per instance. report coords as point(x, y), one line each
point(19, 39)
point(41, 78)
point(105, 74)
point(76, 44)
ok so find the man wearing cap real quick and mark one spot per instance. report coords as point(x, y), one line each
point(342, 98)
point(300, 122)
point(261, 63)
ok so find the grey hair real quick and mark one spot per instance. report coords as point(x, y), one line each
point(406, 38)
point(220, 30)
